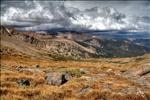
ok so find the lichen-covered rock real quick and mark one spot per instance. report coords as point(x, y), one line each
point(57, 78)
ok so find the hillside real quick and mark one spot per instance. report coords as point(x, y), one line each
point(23, 77)
point(67, 45)
point(52, 67)
point(38, 45)
point(75, 50)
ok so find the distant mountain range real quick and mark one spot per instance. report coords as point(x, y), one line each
point(71, 44)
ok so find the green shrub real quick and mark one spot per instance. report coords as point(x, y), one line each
point(71, 71)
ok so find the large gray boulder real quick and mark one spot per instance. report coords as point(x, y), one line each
point(57, 78)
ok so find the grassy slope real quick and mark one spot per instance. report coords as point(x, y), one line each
point(106, 85)
point(100, 79)
point(19, 45)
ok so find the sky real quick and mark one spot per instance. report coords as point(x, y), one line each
point(132, 7)
point(76, 15)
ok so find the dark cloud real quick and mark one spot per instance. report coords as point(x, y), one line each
point(91, 15)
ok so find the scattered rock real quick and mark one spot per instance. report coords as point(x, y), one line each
point(57, 78)
point(143, 81)
point(24, 82)
point(33, 70)
point(83, 70)
point(18, 68)
point(133, 90)
point(84, 89)
point(109, 70)
point(37, 66)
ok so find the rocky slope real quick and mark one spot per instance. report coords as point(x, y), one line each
point(93, 79)
point(116, 48)
point(67, 45)
point(27, 72)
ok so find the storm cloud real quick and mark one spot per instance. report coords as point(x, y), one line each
point(77, 15)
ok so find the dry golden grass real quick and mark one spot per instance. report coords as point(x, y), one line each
point(106, 85)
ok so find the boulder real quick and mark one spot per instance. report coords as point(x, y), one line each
point(139, 74)
point(84, 89)
point(37, 66)
point(142, 70)
point(24, 82)
point(57, 78)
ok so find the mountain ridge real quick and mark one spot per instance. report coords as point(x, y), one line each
point(68, 45)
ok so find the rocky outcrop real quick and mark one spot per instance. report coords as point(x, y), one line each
point(139, 74)
point(142, 70)
point(57, 78)
point(139, 71)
